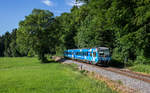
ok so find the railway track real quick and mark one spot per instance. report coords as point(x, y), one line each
point(128, 73)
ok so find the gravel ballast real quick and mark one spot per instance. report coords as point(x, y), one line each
point(140, 86)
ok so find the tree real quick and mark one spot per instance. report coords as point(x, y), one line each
point(37, 33)
point(1, 46)
point(13, 45)
point(7, 41)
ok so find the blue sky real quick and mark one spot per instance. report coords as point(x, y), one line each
point(12, 11)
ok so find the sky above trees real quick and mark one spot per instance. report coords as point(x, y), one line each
point(12, 11)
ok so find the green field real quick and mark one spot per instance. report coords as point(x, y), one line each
point(28, 75)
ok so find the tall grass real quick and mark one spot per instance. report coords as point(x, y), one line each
point(144, 68)
point(28, 75)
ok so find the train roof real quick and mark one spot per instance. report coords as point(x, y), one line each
point(103, 47)
point(91, 48)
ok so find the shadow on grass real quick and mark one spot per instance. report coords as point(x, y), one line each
point(49, 61)
point(53, 61)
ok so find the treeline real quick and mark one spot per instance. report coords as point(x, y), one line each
point(121, 25)
point(8, 45)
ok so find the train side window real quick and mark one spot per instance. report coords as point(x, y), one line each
point(90, 53)
point(94, 54)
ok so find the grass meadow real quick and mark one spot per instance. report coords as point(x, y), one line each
point(28, 75)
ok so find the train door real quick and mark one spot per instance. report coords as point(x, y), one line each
point(94, 56)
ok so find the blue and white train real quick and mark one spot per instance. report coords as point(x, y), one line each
point(100, 55)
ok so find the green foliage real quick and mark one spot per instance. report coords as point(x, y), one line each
point(8, 46)
point(121, 25)
point(144, 68)
point(31, 53)
point(36, 33)
point(2, 46)
point(7, 40)
point(27, 75)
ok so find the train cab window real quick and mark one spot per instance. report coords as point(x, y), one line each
point(101, 53)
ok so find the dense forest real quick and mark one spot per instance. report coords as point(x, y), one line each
point(121, 25)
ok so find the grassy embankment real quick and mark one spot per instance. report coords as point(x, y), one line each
point(28, 75)
point(143, 68)
point(137, 67)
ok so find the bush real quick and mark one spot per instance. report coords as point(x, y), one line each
point(31, 53)
point(142, 60)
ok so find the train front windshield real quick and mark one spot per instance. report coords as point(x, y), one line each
point(104, 52)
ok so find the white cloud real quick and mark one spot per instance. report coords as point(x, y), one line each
point(73, 2)
point(47, 2)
